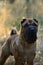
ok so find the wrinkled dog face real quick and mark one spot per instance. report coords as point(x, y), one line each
point(29, 29)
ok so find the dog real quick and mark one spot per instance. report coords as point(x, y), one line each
point(22, 46)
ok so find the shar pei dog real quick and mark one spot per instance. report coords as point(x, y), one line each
point(22, 46)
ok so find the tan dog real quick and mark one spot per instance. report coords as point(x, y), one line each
point(22, 46)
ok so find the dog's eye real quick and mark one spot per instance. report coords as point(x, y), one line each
point(26, 25)
point(34, 24)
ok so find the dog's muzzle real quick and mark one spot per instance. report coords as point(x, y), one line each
point(32, 29)
point(30, 34)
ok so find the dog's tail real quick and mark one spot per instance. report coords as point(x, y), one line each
point(13, 31)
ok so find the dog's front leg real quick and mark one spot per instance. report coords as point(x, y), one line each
point(5, 53)
point(19, 61)
point(30, 63)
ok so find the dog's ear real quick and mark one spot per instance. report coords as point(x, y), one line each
point(36, 21)
point(23, 21)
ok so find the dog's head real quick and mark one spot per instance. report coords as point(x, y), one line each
point(29, 28)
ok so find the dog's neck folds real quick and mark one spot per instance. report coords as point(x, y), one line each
point(24, 43)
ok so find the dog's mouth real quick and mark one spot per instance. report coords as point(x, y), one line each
point(30, 35)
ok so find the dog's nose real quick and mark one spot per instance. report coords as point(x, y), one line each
point(32, 28)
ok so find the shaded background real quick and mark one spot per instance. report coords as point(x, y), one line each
point(11, 13)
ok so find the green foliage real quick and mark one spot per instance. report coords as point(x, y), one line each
point(17, 25)
point(27, 0)
point(18, 9)
point(11, 1)
point(23, 8)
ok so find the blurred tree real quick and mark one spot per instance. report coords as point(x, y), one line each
point(13, 11)
point(28, 10)
point(11, 1)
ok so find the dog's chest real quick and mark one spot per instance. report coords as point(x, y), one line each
point(27, 52)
